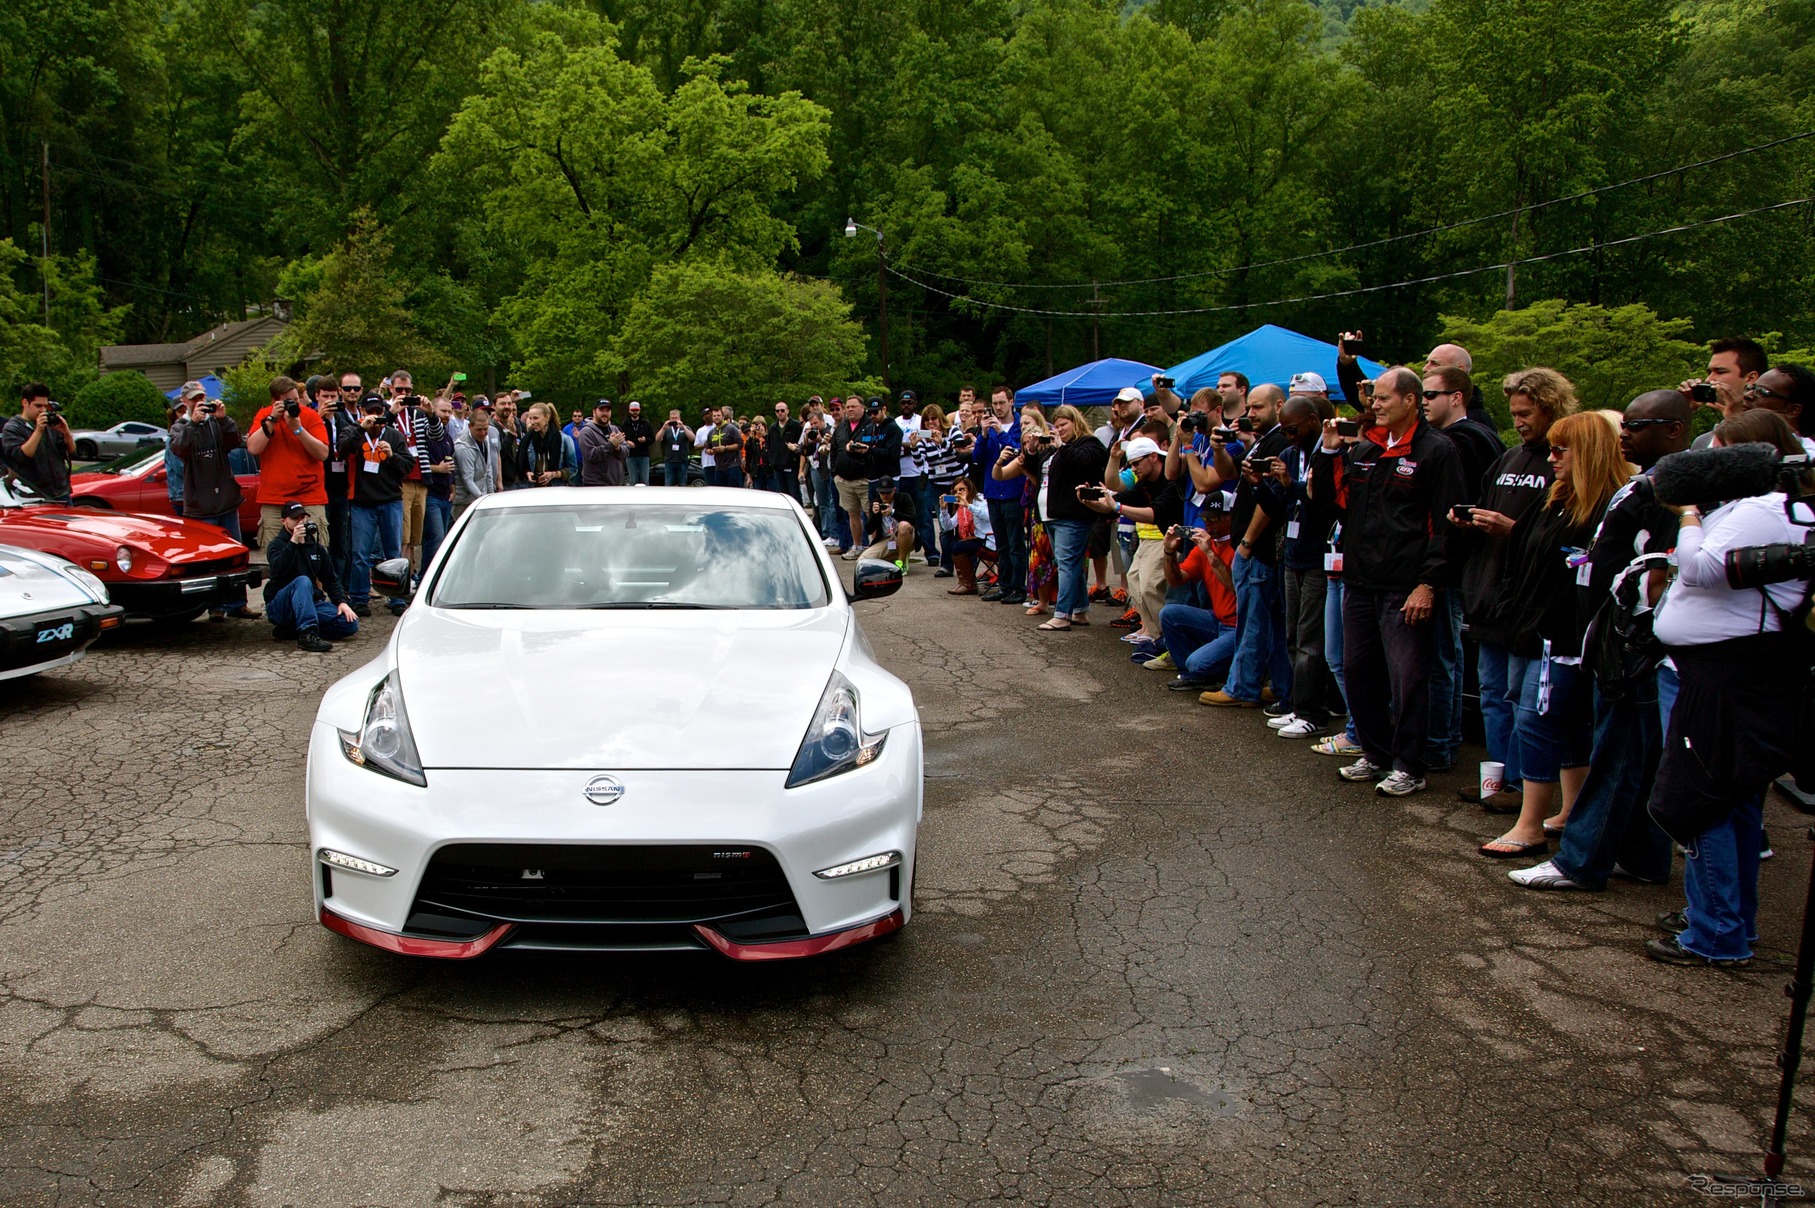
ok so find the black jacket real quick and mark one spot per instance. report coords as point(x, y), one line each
point(1513, 485)
point(1395, 508)
point(288, 561)
point(639, 434)
point(846, 461)
point(1538, 598)
point(384, 485)
point(1249, 498)
point(1480, 447)
point(1080, 463)
point(781, 458)
point(209, 487)
point(884, 439)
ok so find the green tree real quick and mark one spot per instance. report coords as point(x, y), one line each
point(355, 318)
point(114, 398)
point(27, 345)
point(702, 332)
point(1612, 355)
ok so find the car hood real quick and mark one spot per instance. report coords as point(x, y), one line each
point(171, 539)
point(27, 585)
point(614, 690)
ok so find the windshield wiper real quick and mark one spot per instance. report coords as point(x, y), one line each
point(654, 604)
point(482, 604)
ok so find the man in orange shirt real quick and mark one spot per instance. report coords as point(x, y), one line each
point(1200, 642)
point(291, 444)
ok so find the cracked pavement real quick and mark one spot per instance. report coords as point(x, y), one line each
point(1159, 957)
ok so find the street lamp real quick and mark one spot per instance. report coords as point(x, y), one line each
point(851, 227)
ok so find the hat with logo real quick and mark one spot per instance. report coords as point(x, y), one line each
point(192, 390)
point(885, 485)
point(1216, 501)
point(635, 406)
point(873, 403)
point(907, 396)
point(1139, 447)
point(294, 511)
point(1307, 383)
point(1128, 394)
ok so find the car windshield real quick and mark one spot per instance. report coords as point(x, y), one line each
point(631, 557)
point(126, 463)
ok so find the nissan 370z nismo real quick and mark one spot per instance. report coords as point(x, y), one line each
point(620, 719)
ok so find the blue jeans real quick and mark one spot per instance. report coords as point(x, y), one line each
point(1070, 542)
point(1011, 545)
point(1200, 645)
point(377, 536)
point(674, 473)
point(1497, 696)
point(1609, 822)
point(1446, 680)
point(925, 531)
point(1554, 734)
point(1333, 645)
point(227, 522)
point(1260, 640)
point(1720, 886)
point(437, 517)
point(302, 608)
point(636, 471)
point(340, 534)
point(825, 501)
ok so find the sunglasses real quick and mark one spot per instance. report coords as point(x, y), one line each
point(349, 389)
point(1558, 450)
point(1439, 393)
point(1639, 425)
point(1753, 388)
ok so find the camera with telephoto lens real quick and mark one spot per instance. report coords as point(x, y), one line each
point(1754, 566)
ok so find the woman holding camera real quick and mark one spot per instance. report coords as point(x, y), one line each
point(1070, 457)
point(1539, 608)
point(968, 536)
point(1731, 721)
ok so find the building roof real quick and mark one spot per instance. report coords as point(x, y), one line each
point(122, 356)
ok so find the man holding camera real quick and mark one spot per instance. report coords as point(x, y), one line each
point(302, 597)
point(1001, 440)
point(418, 424)
point(640, 438)
point(291, 444)
point(676, 441)
point(37, 446)
point(1155, 506)
point(202, 438)
point(604, 450)
point(891, 527)
point(377, 457)
point(1260, 638)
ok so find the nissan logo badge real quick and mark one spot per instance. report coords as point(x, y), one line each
point(604, 790)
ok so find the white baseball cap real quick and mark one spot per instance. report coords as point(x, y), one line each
point(1307, 383)
point(1128, 394)
point(1139, 447)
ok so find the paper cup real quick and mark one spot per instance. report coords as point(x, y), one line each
point(1493, 778)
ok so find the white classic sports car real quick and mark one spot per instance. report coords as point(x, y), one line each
point(637, 718)
point(50, 611)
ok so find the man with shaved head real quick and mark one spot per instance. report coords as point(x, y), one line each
point(1608, 826)
point(1454, 356)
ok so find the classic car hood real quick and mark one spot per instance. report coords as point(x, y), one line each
point(28, 586)
point(171, 539)
point(614, 690)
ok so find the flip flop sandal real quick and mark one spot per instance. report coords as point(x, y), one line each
point(1552, 832)
point(1537, 847)
point(1050, 627)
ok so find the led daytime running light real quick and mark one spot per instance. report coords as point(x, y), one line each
point(875, 863)
point(340, 859)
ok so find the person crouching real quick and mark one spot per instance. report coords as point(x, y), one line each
point(303, 599)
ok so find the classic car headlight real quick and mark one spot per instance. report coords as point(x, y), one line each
point(384, 743)
point(835, 740)
point(86, 582)
point(122, 558)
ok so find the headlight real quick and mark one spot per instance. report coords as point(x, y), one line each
point(122, 558)
point(835, 740)
point(383, 743)
point(86, 582)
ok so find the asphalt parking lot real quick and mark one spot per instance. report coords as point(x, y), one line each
point(1160, 957)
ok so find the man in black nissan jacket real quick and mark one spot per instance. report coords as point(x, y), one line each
point(1394, 486)
point(302, 596)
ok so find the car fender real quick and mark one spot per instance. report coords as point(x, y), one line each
point(885, 701)
point(343, 706)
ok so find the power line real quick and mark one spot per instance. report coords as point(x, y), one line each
point(1374, 243)
point(1361, 289)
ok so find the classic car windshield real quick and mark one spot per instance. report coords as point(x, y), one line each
point(628, 556)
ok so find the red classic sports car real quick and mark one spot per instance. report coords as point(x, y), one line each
point(154, 566)
point(136, 483)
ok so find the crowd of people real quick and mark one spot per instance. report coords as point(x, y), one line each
point(1339, 574)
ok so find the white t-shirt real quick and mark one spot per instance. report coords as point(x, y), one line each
point(1700, 608)
point(699, 442)
point(911, 423)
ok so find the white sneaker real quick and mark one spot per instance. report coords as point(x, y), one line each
point(829, 542)
point(1282, 721)
point(1542, 876)
point(1400, 784)
point(1300, 728)
point(1362, 769)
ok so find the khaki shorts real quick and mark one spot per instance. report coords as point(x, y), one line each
point(853, 494)
point(415, 504)
point(271, 522)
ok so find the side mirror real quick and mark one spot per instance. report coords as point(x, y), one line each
point(875, 579)
point(392, 577)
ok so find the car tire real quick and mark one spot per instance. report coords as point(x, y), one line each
point(86, 451)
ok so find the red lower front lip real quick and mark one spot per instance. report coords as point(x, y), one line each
point(794, 949)
point(410, 945)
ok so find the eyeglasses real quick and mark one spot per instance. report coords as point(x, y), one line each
point(1558, 450)
point(1753, 388)
point(1639, 425)
point(1439, 393)
point(349, 389)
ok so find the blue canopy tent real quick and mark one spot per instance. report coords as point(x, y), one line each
point(1266, 354)
point(1092, 385)
point(210, 383)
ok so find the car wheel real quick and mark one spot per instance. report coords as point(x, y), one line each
point(86, 451)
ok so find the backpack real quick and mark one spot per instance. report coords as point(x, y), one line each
point(1619, 648)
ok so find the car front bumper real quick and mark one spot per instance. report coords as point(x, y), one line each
point(176, 596)
point(745, 818)
point(54, 638)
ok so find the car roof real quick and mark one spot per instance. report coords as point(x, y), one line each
point(550, 497)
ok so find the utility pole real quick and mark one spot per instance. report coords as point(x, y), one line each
point(1096, 308)
point(44, 230)
point(851, 227)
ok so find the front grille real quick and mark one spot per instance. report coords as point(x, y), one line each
point(600, 897)
point(214, 566)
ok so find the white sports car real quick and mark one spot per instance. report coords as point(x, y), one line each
point(50, 611)
point(620, 719)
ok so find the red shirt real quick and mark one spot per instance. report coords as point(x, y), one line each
point(287, 472)
point(1222, 595)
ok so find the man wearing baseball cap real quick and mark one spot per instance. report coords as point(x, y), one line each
point(1156, 505)
point(640, 438)
point(1308, 383)
point(303, 598)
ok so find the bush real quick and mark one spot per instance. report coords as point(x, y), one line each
point(114, 398)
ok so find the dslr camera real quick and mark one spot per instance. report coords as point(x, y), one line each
point(55, 410)
point(1755, 566)
point(1194, 421)
point(311, 531)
